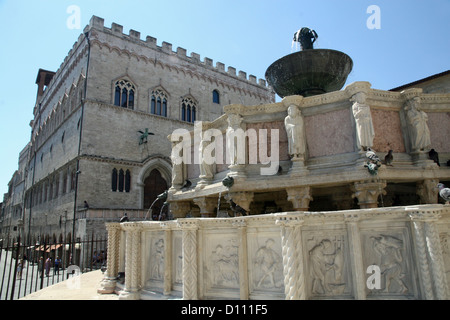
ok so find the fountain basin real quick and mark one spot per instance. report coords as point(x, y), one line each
point(309, 72)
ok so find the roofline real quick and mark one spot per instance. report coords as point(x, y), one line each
point(408, 85)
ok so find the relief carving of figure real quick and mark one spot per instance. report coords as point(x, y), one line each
point(365, 131)
point(295, 132)
point(225, 269)
point(326, 268)
point(389, 248)
point(157, 269)
point(417, 119)
point(268, 261)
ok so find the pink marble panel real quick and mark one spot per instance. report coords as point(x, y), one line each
point(439, 125)
point(388, 131)
point(282, 142)
point(329, 133)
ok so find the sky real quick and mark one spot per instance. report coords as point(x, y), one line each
point(391, 42)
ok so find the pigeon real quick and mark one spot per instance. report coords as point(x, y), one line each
point(389, 158)
point(238, 210)
point(444, 192)
point(433, 155)
point(372, 156)
point(124, 218)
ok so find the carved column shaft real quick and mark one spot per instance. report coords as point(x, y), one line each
point(206, 205)
point(294, 276)
point(437, 261)
point(354, 239)
point(421, 253)
point(368, 192)
point(299, 197)
point(243, 265)
point(132, 262)
point(189, 248)
point(109, 282)
point(428, 191)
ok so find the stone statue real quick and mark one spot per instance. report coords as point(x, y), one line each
point(363, 118)
point(417, 119)
point(177, 168)
point(234, 124)
point(306, 37)
point(206, 169)
point(295, 132)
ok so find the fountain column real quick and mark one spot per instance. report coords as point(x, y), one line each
point(294, 275)
point(428, 191)
point(132, 262)
point(300, 197)
point(108, 283)
point(429, 253)
point(367, 193)
point(206, 205)
point(189, 229)
point(179, 209)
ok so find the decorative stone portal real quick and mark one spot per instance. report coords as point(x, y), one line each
point(376, 253)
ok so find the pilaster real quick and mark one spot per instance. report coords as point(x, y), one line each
point(354, 240)
point(429, 254)
point(189, 249)
point(293, 264)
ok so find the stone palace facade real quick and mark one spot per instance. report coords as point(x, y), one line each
point(88, 139)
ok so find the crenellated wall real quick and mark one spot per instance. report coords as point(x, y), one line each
point(382, 253)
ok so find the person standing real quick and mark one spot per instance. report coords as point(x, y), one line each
point(47, 266)
point(57, 264)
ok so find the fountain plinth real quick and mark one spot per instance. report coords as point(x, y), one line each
point(310, 71)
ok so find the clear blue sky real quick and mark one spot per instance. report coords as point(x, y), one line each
point(413, 42)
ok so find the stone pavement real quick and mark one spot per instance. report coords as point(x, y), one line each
point(85, 288)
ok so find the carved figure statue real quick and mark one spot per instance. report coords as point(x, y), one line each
point(321, 262)
point(234, 124)
point(177, 168)
point(417, 119)
point(295, 132)
point(224, 267)
point(363, 118)
point(206, 169)
point(306, 37)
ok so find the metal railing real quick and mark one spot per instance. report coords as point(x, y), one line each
point(30, 264)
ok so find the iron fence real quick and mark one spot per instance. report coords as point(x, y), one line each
point(30, 264)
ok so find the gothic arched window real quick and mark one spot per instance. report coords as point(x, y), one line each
point(188, 110)
point(158, 103)
point(124, 94)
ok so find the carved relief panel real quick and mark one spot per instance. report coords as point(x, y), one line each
point(390, 252)
point(156, 259)
point(265, 264)
point(221, 263)
point(328, 264)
